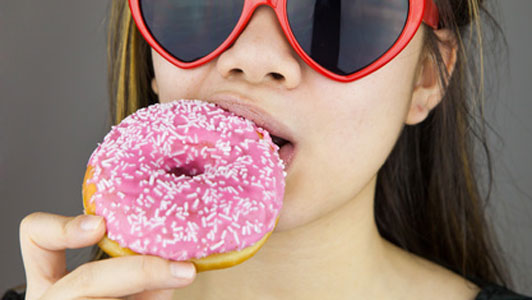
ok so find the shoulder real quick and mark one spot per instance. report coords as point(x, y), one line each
point(430, 280)
point(424, 279)
point(449, 285)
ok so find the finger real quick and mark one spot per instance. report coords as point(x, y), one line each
point(122, 276)
point(43, 240)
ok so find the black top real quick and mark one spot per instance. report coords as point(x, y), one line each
point(496, 292)
point(488, 292)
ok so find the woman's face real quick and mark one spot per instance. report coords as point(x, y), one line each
point(343, 132)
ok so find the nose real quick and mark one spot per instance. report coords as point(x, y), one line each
point(261, 54)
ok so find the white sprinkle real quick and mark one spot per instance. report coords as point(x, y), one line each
point(144, 168)
point(168, 212)
point(211, 216)
point(225, 217)
point(232, 190)
point(106, 163)
point(195, 204)
point(235, 235)
point(235, 225)
point(213, 247)
point(150, 199)
point(166, 186)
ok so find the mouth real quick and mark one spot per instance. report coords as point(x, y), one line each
point(280, 133)
point(286, 149)
point(279, 141)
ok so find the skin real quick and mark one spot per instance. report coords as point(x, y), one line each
point(326, 244)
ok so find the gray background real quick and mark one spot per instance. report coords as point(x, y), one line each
point(54, 111)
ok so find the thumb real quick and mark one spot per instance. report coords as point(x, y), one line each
point(43, 240)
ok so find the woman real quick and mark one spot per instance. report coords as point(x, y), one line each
point(382, 199)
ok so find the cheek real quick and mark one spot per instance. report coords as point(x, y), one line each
point(366, 134)
point(370, 115)
point(176, 83)
point(371, 125)
point(350, 133)
point(340, 158)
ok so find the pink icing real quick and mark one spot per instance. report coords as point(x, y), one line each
point(187, 179)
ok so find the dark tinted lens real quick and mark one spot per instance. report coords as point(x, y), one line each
point(191, 29)
point(346, 36)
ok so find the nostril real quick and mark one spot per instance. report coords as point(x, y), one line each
point(276, 76)
point(237, 71)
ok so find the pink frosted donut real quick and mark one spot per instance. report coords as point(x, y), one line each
point(185, 180)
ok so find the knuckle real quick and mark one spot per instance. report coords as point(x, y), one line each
point(27, 222)
point(85, 272)
point(146, 267)
point(73, 285)
point(82, 277)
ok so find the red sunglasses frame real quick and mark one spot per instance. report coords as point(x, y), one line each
point(419, 10)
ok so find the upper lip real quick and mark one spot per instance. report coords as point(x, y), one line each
point(243, 106)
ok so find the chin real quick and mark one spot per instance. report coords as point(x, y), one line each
point(286, 223)
point(293, 217)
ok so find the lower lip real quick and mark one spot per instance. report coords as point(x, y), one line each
point(287, 154)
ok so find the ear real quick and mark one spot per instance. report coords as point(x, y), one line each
point(154, 86)
point(427, 91)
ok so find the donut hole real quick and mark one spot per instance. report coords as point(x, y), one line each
point(190, 170)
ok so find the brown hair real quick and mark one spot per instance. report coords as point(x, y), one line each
point(428, 199)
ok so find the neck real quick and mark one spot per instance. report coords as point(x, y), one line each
point(340, 253)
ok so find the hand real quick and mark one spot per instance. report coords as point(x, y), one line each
point(43, 240)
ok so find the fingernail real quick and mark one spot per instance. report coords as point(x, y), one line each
point(181, 270)
point(90, 222)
